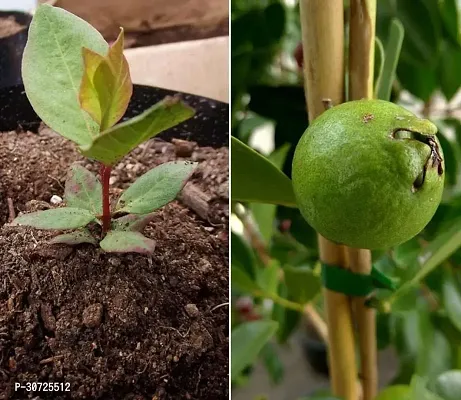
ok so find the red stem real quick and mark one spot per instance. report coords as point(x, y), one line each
point(105, 176)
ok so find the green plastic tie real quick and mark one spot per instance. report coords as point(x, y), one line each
point(345, 281)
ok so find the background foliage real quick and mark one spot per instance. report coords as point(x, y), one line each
point(275, 267)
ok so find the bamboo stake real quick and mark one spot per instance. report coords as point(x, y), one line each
point(361, 68)
point(323, 48)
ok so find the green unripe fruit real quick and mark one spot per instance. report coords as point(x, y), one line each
point(368, 174)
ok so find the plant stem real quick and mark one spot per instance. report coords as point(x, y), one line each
point(361, 69)
point(105, 177)
point(322, 24)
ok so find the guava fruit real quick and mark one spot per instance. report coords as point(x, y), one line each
point(368, 174)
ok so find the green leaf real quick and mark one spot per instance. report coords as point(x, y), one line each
point(242, 281)
point(264, 214)
point(391, 59)
point(419, 81)
point(379, 63)
point(268, 277)
point(450, 15)
point(127, 242)
point(132, 222)
point(114, 143)
point(57, 218)
point(74, 238)
point(422, 32)
point(242, 255)
point(452, 299)
point(448, 385)
point(273, 364)
point(434, 354)
point(287, 319)
point(106, 87)
point(395, 392)
point(155, 188)
point(302, 284)
point(420, 391)
point(442, 247)
point(448, 70)
point(256, 179)
point(52, 69)
point(247, 341)
point(83, 190)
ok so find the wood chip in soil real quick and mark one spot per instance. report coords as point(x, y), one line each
point(114, 326)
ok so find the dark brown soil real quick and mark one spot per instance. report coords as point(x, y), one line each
point(9, 26)
point(113, 326)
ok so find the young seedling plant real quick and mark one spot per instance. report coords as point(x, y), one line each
point(80, 87)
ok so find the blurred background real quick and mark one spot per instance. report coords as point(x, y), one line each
point(422, 333)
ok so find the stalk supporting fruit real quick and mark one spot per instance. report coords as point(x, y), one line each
point(324, 78)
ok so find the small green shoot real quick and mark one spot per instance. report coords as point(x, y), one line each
point(81, 87)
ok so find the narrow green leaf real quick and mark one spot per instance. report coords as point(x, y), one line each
point(256, 179)
point(156, 187)
point(450, 15)
point(52, 69)
point(83, 190)
point(448, 70)
point(422, 31)
point(391, 59)
point(272, 362)
point(448, 385)
point(132, 222)
point(57, 218)
point(302, 284)
point(88, 95)
point(452, 299)
point(106, 87)
point(442, 247)
point(74, 238)
point(247, 341)
point(379, 63)
point(264, 214)
point(242, 255)
point(127, 242)
point(113, 144)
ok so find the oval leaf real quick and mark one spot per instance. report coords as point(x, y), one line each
point(247, 341)
point(302, 284)
point(448, 385)
point(57, 218)
point(452, 300)
point(132, 222)
point(52, 69)
point(113, 144)
point(256, 179)
point(83, 190)
point(74, 238)
point(155, 188)
point(127, 242)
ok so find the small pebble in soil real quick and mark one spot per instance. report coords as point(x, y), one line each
point(55, 200)
point(192, 310)
point(92, 315)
